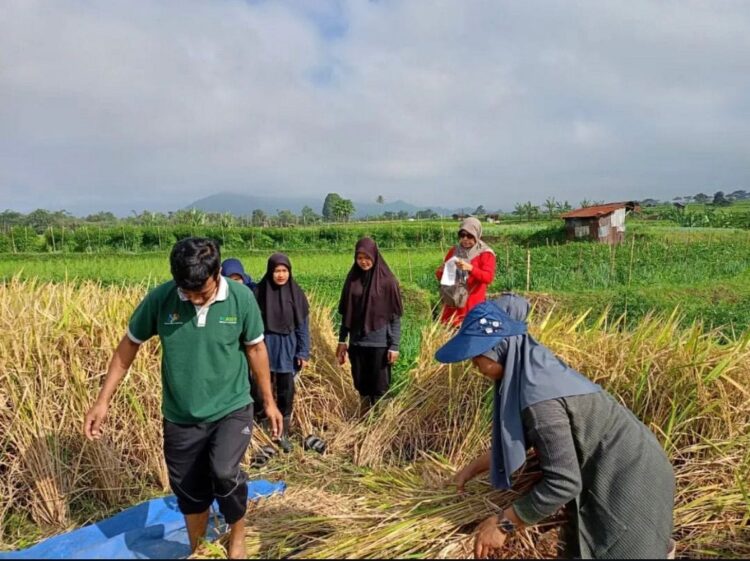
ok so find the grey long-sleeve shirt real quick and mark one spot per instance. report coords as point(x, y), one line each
point(388, 336)
point(594, 451)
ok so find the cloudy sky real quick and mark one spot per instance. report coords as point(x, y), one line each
point(155, 103)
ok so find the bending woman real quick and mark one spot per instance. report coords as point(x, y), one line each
point(371, 309)
point(285, 312)
point(475, 271)
point(597, 459)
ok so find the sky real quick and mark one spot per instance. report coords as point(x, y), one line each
point(152, 104)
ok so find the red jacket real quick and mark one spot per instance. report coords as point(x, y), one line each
point(480, 277)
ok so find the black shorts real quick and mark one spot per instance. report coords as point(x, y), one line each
point(204, 463)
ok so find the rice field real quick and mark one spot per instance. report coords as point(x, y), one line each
point(705, 273)
point(382, 489)
point(642, 261)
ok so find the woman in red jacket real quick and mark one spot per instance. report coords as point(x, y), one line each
point(474, 263)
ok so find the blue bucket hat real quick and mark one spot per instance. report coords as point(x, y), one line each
point(483, 328)
point(234, 267)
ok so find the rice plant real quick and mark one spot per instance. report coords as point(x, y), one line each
point(383, 488)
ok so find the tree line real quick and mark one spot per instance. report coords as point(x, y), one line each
point(335, 209)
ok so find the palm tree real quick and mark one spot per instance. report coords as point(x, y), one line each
point(551, 205)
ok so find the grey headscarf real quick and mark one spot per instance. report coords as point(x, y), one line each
point(474, 227)
point(532, 374)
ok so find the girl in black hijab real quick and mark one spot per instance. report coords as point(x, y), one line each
point(285, 312)
point(371, 309)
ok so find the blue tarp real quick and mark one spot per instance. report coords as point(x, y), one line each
point(152, 530)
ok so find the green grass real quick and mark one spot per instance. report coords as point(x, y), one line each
point(703, 271)
point(725, 304)
point(645, 259)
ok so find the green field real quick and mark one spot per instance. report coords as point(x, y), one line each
point(687, 382)
point(704, 272)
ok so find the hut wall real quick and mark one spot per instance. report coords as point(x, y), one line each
point(612, 228)
point(618, 220)
point(579, 228)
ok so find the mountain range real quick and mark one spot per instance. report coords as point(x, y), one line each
point(243, 205)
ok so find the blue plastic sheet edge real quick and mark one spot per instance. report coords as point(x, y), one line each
point(154, 529)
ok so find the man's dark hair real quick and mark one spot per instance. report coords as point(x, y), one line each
point(193, 261)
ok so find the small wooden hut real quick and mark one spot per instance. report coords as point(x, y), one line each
point(602, 223)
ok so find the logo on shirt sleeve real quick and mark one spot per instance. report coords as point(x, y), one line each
point(173, 319)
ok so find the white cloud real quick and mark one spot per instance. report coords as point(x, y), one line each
point(483, 102)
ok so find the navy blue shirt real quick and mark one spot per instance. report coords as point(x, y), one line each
point(284, 349)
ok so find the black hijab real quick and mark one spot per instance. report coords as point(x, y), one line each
point(369, 299)
point(284, 308)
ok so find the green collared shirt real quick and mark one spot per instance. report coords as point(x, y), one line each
point(204, 368)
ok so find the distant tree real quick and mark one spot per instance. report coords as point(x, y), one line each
point(192, 216)
point(101, 216)
point(551, 205)
point(198, 217)
point(380, 200)
point(564, 207)
point(720, 199)
point(739, 195)
point(180, 217)
point(702, 198)
point(427, 214)
point(286, 217)
point(142, 219)
point(11, 215)
point(227, 220)
point(479, 211)
point(10, 218)
point(526, 210)
point(329, 214)
point(258, 218)
point(41, 219)
point(532, 211)
point(343, 209)
point(309, 216)
point(402, 215)
point(389, 215)
point(585, 203)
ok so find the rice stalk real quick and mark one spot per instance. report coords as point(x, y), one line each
point(381, 488)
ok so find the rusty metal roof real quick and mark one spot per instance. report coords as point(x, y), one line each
point(596, 211)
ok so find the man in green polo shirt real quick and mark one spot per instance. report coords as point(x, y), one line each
point(210, 329)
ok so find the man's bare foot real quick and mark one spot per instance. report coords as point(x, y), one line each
point(236, 546)
point(237, 550)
